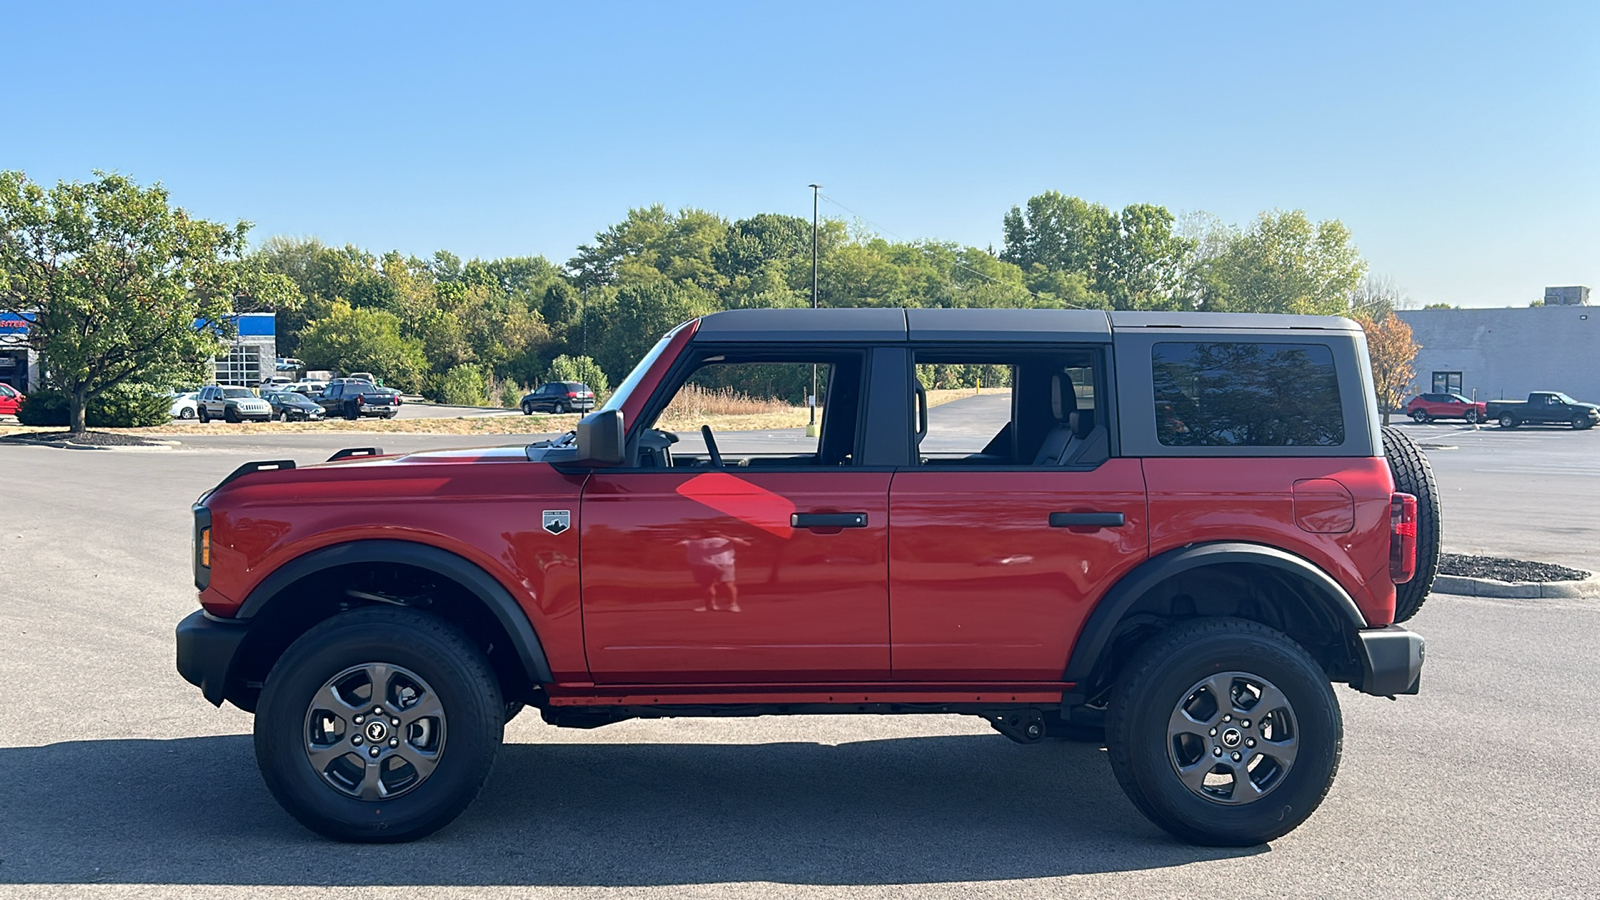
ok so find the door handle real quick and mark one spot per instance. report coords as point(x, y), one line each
point(1087, 520)
point(829, 520)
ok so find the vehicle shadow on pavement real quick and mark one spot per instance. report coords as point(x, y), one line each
point(901, 811)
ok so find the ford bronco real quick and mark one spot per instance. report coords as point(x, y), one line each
point(1172, 532)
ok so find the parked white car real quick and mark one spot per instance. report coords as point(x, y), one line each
point(184, 406)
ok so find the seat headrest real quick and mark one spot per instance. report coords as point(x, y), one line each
point(1063, 400)
point(1081, 421)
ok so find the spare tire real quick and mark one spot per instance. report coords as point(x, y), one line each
point(1413, 475)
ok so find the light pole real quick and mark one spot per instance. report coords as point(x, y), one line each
point(811, 429)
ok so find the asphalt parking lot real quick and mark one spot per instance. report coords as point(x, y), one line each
point(117, 779)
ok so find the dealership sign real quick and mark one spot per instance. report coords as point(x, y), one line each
point(14, 328)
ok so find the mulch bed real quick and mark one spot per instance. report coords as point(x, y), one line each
point(1502, 569)
point(86, 438)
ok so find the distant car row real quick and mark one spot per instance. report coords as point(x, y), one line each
point(1541, 408)
point(344, 397)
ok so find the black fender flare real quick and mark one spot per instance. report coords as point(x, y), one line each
point(464, 572)
point(1102, 624)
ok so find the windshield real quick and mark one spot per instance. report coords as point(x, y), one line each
point(637, 375)
point(1565, 399)
point(237, 393)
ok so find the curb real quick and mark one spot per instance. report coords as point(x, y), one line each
point(153, 445)
point(1487, 587)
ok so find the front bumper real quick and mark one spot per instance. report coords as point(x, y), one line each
point(207, 646)
point(1391, 661)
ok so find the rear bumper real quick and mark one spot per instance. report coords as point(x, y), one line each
point(1391, 661)
point(206, 648)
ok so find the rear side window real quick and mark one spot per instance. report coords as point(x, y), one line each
point(1246, 394)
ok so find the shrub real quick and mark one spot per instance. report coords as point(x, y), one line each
point(124, 406)
point(579, 368)
point(511, 394)
point(462, 386)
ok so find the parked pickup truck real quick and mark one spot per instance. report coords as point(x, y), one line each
point(354, 399)
point(1185, 587)
point(1544, 408)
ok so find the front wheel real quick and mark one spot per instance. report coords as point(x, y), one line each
point(1472, 417)
point(378, 725)
point(1420, 417)
point(1507, 420)
point(527, 409)
point(1224, 732)
point(230, 414)
point(1579, 423)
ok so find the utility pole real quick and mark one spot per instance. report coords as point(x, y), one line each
point(811, 429)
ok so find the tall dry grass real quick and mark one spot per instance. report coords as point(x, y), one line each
point(694, 401)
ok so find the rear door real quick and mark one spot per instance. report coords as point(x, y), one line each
point(1007, 530)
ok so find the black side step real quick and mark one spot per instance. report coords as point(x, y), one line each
point(349, 452)
point(260, 465)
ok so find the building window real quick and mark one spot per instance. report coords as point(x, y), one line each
point(241, 367)
point(1447, 382)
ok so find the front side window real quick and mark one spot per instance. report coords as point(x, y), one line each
point(756, 412)
point(1246, 394)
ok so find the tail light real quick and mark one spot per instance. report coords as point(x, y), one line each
point(572, 393)
point(360, 400)
point(396, 399)
point(1402, 538)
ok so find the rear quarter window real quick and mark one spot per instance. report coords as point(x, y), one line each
point(1246, 394)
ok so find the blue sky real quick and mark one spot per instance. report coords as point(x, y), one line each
point(1460, 144)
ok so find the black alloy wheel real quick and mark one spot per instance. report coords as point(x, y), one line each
point(1224, 732)
point(378, 725)
point(1420, 417)
point(1472, 417)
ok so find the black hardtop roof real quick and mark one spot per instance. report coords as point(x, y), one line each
point(1016, 325)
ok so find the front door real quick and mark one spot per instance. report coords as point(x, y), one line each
point(763, 562)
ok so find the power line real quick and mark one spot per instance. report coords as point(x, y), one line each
point(984, 275)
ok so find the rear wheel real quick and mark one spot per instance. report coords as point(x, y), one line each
point(205, 417)
point(1224, 732)
point(1420, 417)
point(351, 412)
point(1414, 475)
point(1507, 420)
point(562, 407)
point(378, 725)
point(186, 413)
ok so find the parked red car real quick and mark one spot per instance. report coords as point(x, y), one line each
point(10, 400)
point(1427, 407)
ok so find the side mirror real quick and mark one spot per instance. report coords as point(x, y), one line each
point(600, 438)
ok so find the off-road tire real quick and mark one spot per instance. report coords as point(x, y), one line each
point(1413, 475)
point(1158, 679)
point(473, 723)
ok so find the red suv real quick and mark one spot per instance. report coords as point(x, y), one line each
point(1131, 534)
point(1427, 407)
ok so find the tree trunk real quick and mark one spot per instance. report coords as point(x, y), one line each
point(76, 412)
point(1386, 415)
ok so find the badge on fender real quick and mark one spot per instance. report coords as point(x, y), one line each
point(557, 520)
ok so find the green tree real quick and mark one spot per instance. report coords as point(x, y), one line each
point(1059, 233)
point(117, 280)
point(1285, 263)
point(364, 340)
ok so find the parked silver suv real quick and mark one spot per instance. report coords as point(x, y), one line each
point(232, 404)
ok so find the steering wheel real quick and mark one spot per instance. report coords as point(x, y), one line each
point(711, 446)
